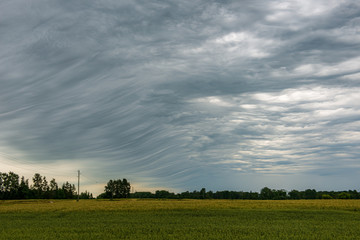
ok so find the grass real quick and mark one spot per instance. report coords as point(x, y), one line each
point(180, 219)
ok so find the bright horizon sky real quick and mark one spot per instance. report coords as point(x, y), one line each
point(180, 95)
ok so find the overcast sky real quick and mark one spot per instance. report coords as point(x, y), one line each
point(180, 95)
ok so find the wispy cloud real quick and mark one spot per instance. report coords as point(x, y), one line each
point(177, 94)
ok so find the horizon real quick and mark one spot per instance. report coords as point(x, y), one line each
point(153, 190)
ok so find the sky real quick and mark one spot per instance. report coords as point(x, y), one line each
point(180, 95)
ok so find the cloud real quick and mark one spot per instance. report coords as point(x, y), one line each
point(282, 132)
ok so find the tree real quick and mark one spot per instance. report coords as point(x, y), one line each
point(310, 194)
point(86, 195)
point(142, 195)
point(326, 196)
point(110, 189)
point(69, 190)
point(266, 193)
point(203, 193)
point(24, 190)
point(294, 194)
point(9, 185)
point(13, 184)
point(53, 185)
point(125, 188)
point(12, 188)
point(37, 186)
point(354, 194)
point(45, 188)
point(164, 194)
point(117, 189)
point(53, 188)
point(279, 194)
point(344, 195)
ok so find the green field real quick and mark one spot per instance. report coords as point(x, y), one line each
point(180, 219)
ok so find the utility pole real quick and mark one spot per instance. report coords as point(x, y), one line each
point(78, 185)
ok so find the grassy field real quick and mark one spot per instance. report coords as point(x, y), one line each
point(180, 219)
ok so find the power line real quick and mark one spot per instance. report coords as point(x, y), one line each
point(91, 178)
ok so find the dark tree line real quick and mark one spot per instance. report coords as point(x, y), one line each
point(265, 194)
point(12, 187)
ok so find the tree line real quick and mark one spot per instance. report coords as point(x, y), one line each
point(14, 187)
point(265, 194)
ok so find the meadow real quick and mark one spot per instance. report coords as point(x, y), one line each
point(180, 219)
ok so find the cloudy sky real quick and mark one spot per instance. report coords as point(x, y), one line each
point(181, 95)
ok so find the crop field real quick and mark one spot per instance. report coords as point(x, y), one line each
point(180, 219)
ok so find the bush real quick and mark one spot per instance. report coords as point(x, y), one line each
point(326, 196)
point(344, 195)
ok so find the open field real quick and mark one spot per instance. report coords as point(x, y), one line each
point(180, 219)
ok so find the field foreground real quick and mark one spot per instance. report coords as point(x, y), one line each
point(180, 219)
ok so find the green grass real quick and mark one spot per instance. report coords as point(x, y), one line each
point(180, 219)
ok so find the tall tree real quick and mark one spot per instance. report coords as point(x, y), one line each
point(69, 190)
point(117, 189)
point(310, 194)
point(45, 188)
point(9, 185)
point(203, 193)
point(294, 194)
point(24, 190)
point(53, 185)
point(110, 189)
point(13, 184)
point(53, 189)
point(266, 193)
point(125, 188)
point(37, 185)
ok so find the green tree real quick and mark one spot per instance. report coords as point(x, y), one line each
point(45, 186)
point(53, 185)
point(164, 194)
point(37, 186)
point(344, 195)
point(24, 190)
point(125, 189)
point(86, 195)
point(117, 189)
point(110, 189)
point(266, 193)
point(310, 194)
point(279, 194)
point(69, 190)
point(142, 195)
point(294, 194)
point(9, 185)
point(326, 196)
point(45, 189)
point(203, 193)
point(53, 188)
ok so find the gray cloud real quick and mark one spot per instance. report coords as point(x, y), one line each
point(177, 94)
